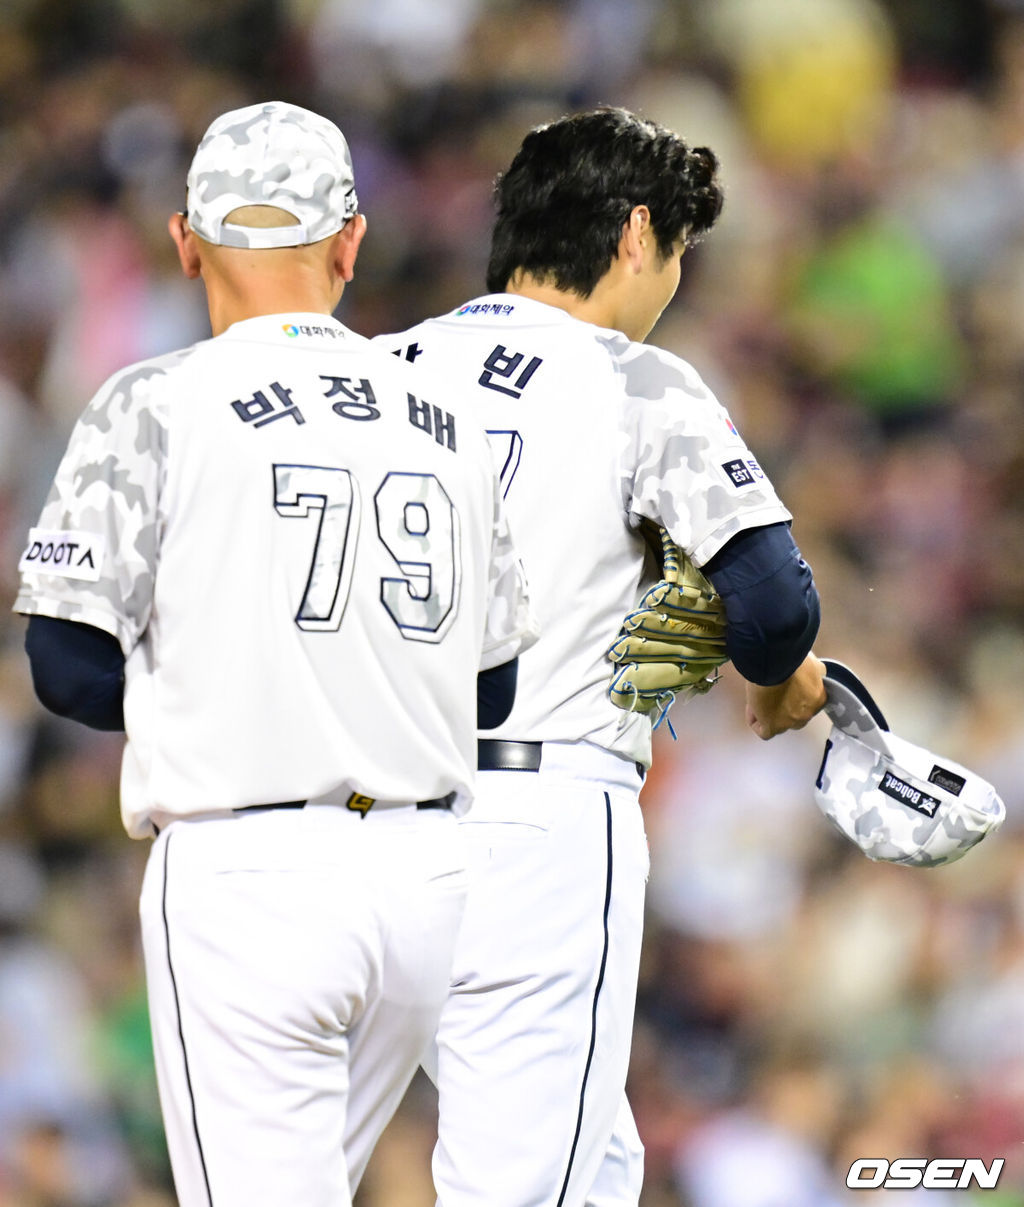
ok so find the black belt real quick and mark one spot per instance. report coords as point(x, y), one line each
point(494, 754)
point(438, 802)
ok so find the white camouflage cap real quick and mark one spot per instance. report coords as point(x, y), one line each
point(271, 154)
point(898, 802)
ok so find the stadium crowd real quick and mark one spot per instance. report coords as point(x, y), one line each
point(859, 309)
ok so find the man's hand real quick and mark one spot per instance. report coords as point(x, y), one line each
point(789, 704)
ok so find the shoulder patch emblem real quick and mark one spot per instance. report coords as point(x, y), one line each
point(743, 472)
point(70, 554)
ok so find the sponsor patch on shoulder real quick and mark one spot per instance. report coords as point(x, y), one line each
point(69, 554)
point(743, 472)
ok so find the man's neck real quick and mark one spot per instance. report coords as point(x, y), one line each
point(596, 308)
point(247, 285)
point(228, 307)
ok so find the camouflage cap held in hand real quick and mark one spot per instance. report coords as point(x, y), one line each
point(898, 802)
point(271, 154)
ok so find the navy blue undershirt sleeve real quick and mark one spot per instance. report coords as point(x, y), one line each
point(495, 694)
point(771, 602)
point(77, 671)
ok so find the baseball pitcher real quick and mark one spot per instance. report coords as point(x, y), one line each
point(596, 436)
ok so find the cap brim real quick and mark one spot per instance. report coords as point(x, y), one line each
point(850, 707)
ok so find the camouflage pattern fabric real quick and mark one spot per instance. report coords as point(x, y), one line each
point(683, 464)
point(108, 485)
point(271, 154)
point(893, 807)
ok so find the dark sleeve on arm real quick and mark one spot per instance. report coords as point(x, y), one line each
point(495, 694)
point(771, 602)
point(77, 671)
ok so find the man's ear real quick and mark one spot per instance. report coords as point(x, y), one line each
point(186, 243)
point(636, 233)
point(347, 246)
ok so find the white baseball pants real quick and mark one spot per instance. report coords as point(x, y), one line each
point(297, 962)
point(533, 1044)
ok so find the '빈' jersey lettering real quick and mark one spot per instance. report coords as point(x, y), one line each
point(502, 363)
point(616, 433)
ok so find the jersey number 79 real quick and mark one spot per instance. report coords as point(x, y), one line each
point(416, 522)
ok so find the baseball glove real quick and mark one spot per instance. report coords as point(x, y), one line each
point(674, 642)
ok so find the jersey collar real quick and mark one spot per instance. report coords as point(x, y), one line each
point(511, 305)
point(292, 327)
point(519, 309)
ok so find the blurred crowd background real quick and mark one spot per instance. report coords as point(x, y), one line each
point(859, 309)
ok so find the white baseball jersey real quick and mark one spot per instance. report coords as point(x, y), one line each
point(283, 529)
point(592, 433)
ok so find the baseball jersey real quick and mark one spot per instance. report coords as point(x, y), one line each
point(592, 434)
point(301, 548)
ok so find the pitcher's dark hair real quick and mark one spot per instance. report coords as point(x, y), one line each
point(564, 199)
